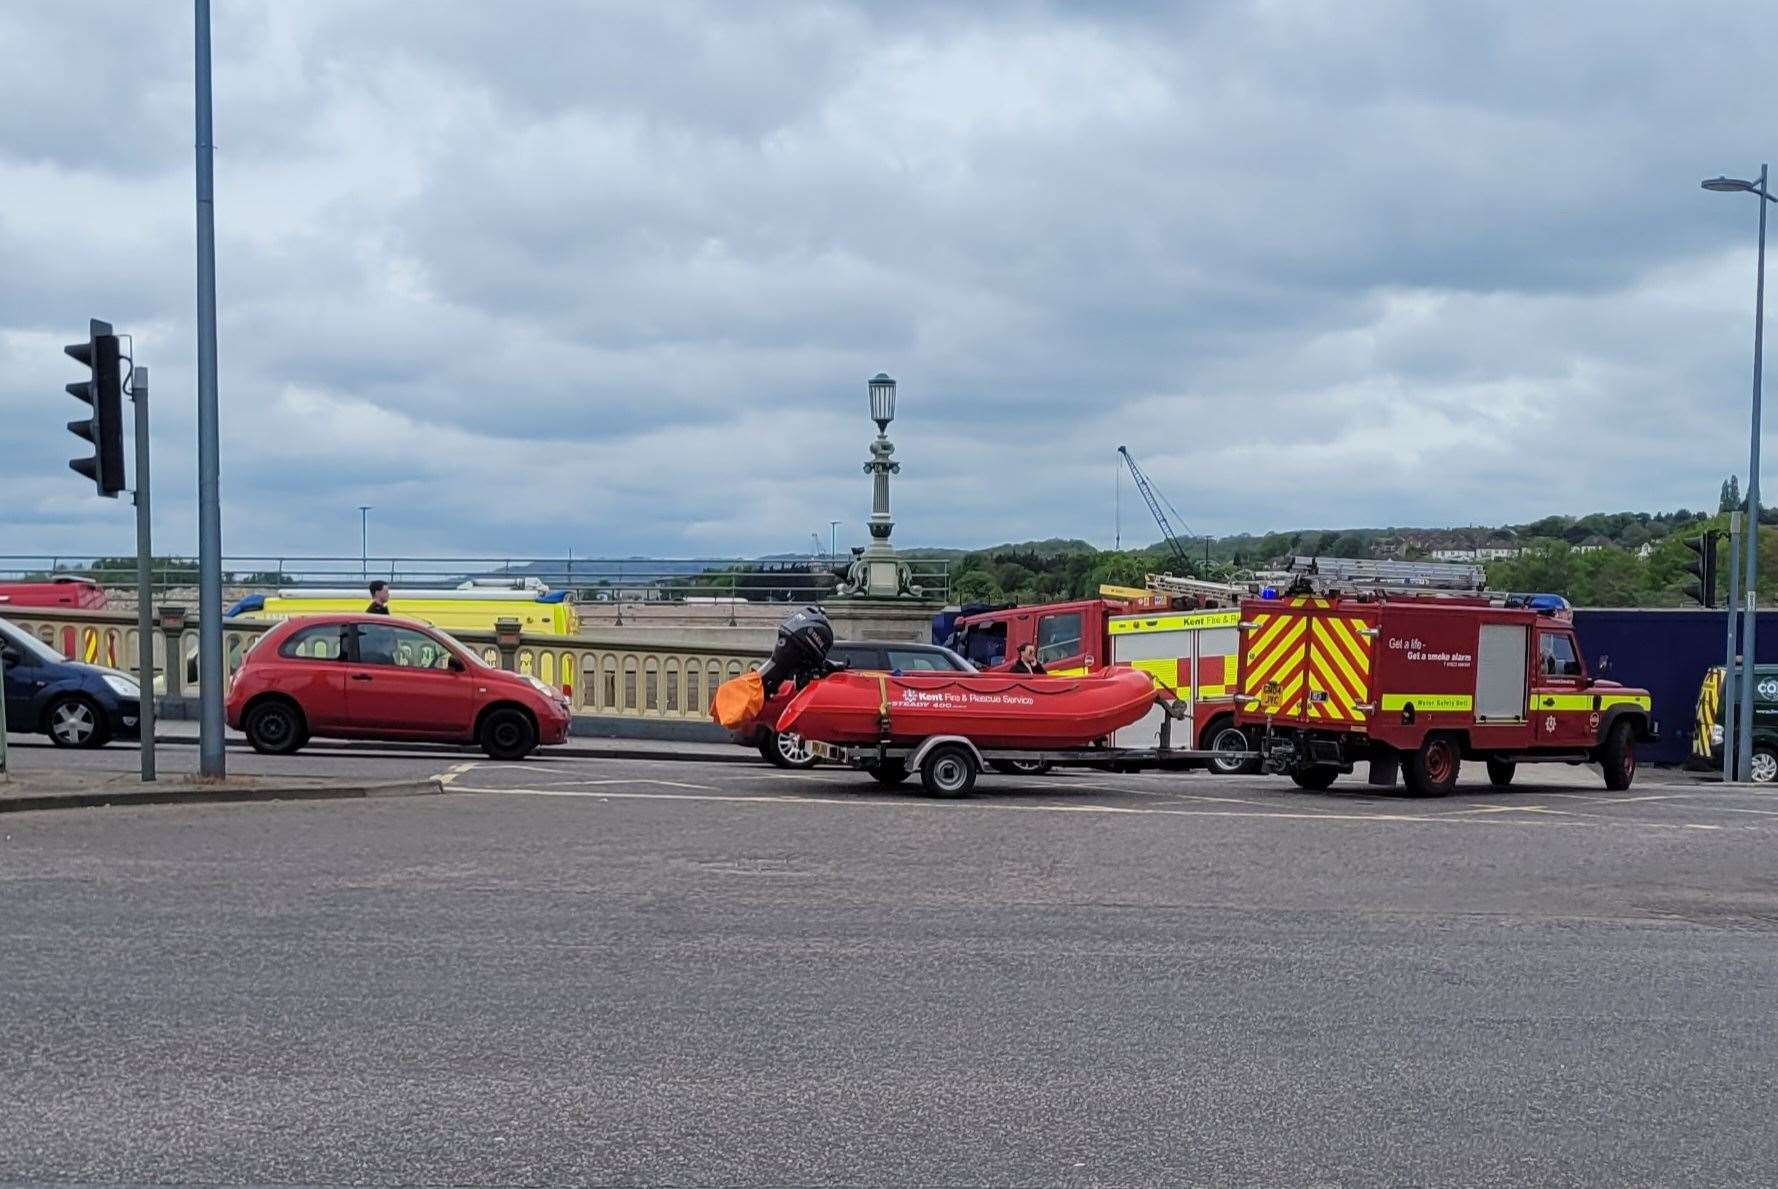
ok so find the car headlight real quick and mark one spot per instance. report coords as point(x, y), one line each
point(123, 687)
point(1716, 734)
point(546, 689)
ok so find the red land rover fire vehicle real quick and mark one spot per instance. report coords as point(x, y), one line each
point(1419, 683)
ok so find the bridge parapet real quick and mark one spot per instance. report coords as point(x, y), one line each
point(606, 676)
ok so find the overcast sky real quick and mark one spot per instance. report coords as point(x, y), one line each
point(543, 275)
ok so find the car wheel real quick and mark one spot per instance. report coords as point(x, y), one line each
point(1432, 770)
point(1765, 766)
point(274, 728)
point(1500, 772)
point(1316, 780)
point(1021, 767)
point(508, 734)
point(1618, 758)
point(75, 722)
point(890, 772)
point(786, 749)
point(1230, 739)
point(949, 770)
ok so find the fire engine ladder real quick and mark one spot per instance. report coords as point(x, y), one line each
point(1167, 584)
point(1398, 577)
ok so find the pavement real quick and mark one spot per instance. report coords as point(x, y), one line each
point(577, 970)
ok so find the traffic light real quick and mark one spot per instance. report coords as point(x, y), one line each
point(1702, 568)
point(104, 392)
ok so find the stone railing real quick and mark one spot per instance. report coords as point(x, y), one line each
point(606, 676)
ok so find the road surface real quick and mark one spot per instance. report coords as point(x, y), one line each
point(619, 972)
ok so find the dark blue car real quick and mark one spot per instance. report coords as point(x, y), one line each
point(75, 704)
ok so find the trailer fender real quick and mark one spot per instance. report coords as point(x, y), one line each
point(927, 745)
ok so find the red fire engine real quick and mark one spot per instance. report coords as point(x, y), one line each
point(1419, 683)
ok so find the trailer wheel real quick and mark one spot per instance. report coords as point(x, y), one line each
point(949, 770)
point(1432, 770)
point(1316, 780)
point(890, 772)
point(1618, 757)
point(1500, 772)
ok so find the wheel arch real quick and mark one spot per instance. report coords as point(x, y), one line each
point(1640, 725)
point(919, 755)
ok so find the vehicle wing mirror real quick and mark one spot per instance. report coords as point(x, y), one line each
point(11, 655)
point(456, 665)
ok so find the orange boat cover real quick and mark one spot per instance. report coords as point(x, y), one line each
point(737, 701)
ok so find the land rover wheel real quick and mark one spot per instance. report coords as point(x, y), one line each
point(1316, 780)
point(1500, 772)
point(949, 770)
point(1618, 757)
point(1765, 765)
point(786, 749)
point(1432, 770)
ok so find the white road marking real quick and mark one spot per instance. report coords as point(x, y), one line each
point(863, 801)
point(449, 775)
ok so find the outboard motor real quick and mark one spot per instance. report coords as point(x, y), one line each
point(801, 652)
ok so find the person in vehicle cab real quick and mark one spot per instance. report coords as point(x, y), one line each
point(379, 598)
point(1027, 661)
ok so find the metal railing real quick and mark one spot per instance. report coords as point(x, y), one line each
point(593, 579)
point(612, 677)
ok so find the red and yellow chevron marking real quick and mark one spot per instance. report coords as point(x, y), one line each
point(1277, 662)
point(1339, 669)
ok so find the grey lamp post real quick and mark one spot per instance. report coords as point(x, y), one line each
point(364, 540)
point(1744, 736)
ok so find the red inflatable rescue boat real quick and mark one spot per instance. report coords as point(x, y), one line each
point(990, 709)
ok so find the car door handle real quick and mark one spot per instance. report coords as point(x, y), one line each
point(361, 677)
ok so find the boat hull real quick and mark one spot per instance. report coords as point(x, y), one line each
point(990, 709)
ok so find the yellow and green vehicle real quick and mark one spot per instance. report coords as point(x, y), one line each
point(469, 608)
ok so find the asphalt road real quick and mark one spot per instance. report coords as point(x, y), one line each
point(616, 972)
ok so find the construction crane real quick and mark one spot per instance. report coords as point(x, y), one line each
point(1186, 569)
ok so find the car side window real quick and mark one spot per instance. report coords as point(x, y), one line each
point(1556, 654)
point(323, 642)
point(910, 660)
point(856, 657)
point(381, 644)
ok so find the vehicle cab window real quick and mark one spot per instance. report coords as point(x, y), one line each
point(380, 644)
point(322, 642)
point(1058, 636)
point(1555, 655)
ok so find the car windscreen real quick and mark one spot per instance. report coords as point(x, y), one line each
point(30, 645)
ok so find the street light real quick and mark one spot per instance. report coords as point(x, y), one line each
point(882, 401)
point(1744, 736)
point(364, 539)
point(833, 538)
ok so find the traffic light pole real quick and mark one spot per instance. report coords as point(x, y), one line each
point(1726, 705)
point(144, 574)
point(210, 755)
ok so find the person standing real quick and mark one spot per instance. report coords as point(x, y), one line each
point(379, 598)
point(1027, 661)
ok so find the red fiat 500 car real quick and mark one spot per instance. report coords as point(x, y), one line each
point(374, 677)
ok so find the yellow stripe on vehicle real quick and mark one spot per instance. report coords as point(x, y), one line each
point(1175, 623)
point(1164, 670)
point(1426, 701)
point(1082, 671)
point(1543, 701)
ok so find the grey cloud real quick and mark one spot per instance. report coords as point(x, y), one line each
point(613, 275)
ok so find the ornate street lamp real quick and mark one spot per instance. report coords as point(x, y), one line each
point(878, 572)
